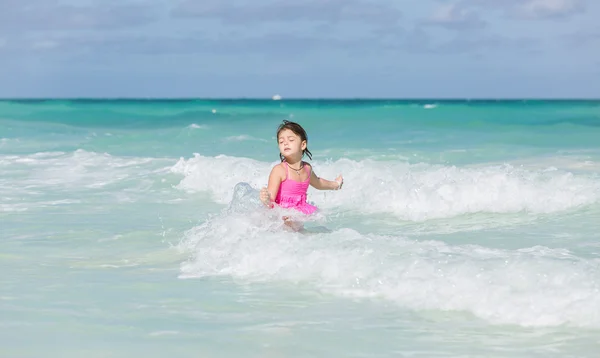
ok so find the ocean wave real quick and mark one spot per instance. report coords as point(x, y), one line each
point(77, 169)
point(243, 137)
point(535, 286)
point(410, 192)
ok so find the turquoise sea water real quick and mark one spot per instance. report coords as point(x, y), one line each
point(464, 229)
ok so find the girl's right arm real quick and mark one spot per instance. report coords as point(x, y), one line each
point(269, 193)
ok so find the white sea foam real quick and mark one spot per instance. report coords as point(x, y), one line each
point(410, 192)
point(243, 137)
point(51, 179)
point(80, 168)
point(536, 286)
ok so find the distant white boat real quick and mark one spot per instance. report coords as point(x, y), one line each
point(276, 97)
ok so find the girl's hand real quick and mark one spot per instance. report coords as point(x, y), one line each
point(265, 197)
point(340, 181)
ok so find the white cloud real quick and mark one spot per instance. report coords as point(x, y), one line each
point(329, 11)
point(467, 11)
point(549, 8)
point(44, 44)
point(455, 16)
point(38, 15)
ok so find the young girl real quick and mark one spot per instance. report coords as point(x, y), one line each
point(289, 180)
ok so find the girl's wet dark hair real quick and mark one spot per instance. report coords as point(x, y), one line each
point(299, 131)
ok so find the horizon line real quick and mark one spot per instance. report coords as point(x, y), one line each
point(311, 98)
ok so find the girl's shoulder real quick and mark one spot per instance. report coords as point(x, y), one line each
point(279, 169)
point(308, 167)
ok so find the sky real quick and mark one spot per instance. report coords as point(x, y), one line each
point(300, 49)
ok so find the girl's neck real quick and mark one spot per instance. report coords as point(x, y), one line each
point(295, 162)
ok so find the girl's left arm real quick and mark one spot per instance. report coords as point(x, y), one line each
point(324, 184)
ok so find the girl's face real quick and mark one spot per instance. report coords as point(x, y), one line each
point(290, 144)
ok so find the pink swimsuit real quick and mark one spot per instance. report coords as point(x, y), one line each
point(292, 193)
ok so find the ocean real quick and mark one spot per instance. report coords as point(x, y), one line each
point(464, 229)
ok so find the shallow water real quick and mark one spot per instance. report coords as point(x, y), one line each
point(463, 229)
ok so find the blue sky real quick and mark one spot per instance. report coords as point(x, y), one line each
point(303, 48)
